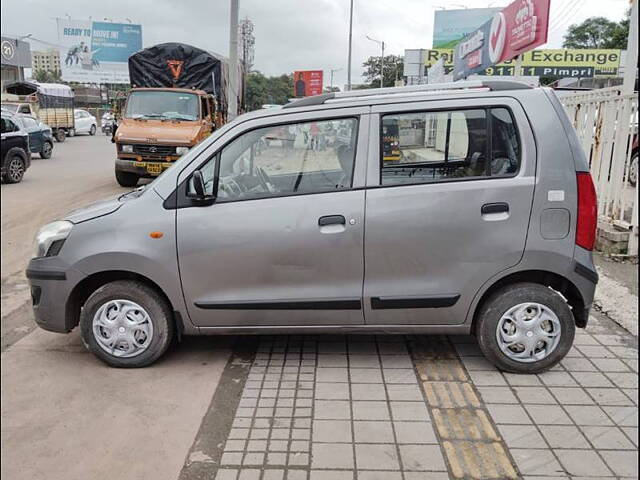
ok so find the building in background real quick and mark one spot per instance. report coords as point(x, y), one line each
point(16, 56)
point(48, 60)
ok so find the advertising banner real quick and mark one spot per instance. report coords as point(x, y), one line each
point(450, 26)
point(517, 28)
point(307, 83)
point(97, 52)
point(576, 63)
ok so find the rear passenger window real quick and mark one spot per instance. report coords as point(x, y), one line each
point(434, 146)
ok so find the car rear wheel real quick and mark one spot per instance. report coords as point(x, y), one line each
point(47, 150)
point(61, 135)
point(15, 166)
point(633, 170)
point(126, 324)
point(525, 328)
point(92, 130)
point(127, 179)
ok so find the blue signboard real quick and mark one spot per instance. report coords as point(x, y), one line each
point(450, 26)
point(115, 42)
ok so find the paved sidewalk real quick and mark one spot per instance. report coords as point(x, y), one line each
point(409, 408)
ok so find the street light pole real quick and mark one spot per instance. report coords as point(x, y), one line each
point(350, 37)
point(381, 43)
point(332, 72)
point(233, 61)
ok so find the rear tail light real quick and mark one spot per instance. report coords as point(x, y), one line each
point(587, 211)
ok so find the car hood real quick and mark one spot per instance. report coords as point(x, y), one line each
point(156, 131)
point(94, 210)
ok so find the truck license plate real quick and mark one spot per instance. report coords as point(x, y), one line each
point(154, 168)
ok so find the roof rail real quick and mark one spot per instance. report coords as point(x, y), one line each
point(494, 85)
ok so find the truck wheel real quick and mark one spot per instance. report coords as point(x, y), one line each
point(126, 179)
point(47, 150)
point(92, 130)
point(61, 135)
point(525, 328)
point(15, 165)
point(126, 324)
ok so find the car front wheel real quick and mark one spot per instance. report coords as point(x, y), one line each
point(126, 324)
point(525, 328)
point(92, 130)
point(15, 166)
point(47, 150)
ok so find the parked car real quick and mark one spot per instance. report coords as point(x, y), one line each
point(633, 162)
point(40, 136)
point(85, 122)
point(485, 225)
point(15, 149)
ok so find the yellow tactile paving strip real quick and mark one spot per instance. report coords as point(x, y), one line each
point(472, 445)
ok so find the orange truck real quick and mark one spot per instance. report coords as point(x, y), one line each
point(178, 98)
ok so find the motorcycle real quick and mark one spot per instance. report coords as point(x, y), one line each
point(108, 122)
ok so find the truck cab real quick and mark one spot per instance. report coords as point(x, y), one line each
point(158, 126)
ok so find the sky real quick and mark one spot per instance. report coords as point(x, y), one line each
point(290, 34)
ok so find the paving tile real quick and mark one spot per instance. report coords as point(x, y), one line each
point(515, 379)
point(608, 438)
point(571, 396)
point(273, 474)
point(624, 380)
point(478, 363)
point(420, 476)
point(632, 433)
point(376, 457)
point(332, 360)
point(392, 348)
point(413, 411)
point(364, 361)
point(365, 375)
point(534, 395)
point(331, 374)
point(396, 361)
point(557, 379)
point(497, 395)
point(632, 393)
point(414, 432)
point(610, 365)
point(606, 339)
point(249, 474)
point(405, 392)
point(487, 378)
point(332, 431)
point(578, 364)
point(563, 436)
point(253, 458)
point(548, 415)
point(399, 375)
point(276, 458)
point(595, 351)
point(582, 462)
point(373, 432)
point(368, 391)
point(610, 396)
point(588, 415)
point(373, 410)
point(332, 410)
point(298, 459)
point(421, 457)
point(227, 474)
point(521, 436)
point(585, 339)
point(331, 475)
point(532, 461)
point(508, 414)
point(623, 416)
point(623, 463)
point(388, 475)
point(332, 391)
point(592, 379)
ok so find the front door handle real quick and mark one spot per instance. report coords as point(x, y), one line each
point(500, 207)
point(331, 220)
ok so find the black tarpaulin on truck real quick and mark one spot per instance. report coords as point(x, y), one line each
point(181, 66)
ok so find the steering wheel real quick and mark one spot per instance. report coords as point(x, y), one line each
point(263, 178)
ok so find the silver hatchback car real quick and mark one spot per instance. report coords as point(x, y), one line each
point(448, 209)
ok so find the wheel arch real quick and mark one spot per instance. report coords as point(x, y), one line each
point(549, 279)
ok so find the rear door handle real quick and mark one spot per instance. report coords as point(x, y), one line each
point(500, 207)
point(331, 220)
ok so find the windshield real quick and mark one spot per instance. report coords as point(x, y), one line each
point(162, 105)
point(12, 107)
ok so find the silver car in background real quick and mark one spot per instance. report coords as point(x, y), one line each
point(447, 209)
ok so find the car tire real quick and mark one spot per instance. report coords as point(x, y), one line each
point(127, 179)
point(130, 310)
point(495, 322)
point(71, 132)
point(633, 170)
point(47, 150)
point(92, 130)
point(60, 136)
point(15, 165)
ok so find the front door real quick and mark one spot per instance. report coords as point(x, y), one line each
point(283, 242)
point(450, 210)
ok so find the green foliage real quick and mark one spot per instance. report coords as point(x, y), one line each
point(261, 90)
point(393, 69)
point(598, 32)
point(47, 76)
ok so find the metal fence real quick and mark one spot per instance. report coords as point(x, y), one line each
point(607, 124)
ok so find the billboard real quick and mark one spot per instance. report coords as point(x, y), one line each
point(576, 63)
point(97, 52)
point(307, 83)
point(517, 28)
point(451, 26)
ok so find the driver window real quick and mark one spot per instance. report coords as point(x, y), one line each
point(308, 157)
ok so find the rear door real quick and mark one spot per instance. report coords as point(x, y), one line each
point(35, 133)
point(450, 205)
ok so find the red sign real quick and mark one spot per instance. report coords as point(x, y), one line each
point(307, 83)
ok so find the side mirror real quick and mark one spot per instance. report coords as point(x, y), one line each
point(198, 184)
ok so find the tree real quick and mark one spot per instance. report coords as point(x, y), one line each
point(598, 32)
point(47, 76)
point(393, 69)
point(263, 90)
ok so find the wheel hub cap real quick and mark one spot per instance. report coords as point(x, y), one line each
point(528, 332)
point(122, 328)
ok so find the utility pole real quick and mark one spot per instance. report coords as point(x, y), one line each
point(332, 72)
point(247, 46)
point(350, 37)
point(233, 61)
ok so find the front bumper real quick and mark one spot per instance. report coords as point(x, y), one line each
point(146, 169)
point(52, 284)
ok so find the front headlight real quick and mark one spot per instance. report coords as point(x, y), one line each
point(127, 148)
point(55, 232)
point(181, 150)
